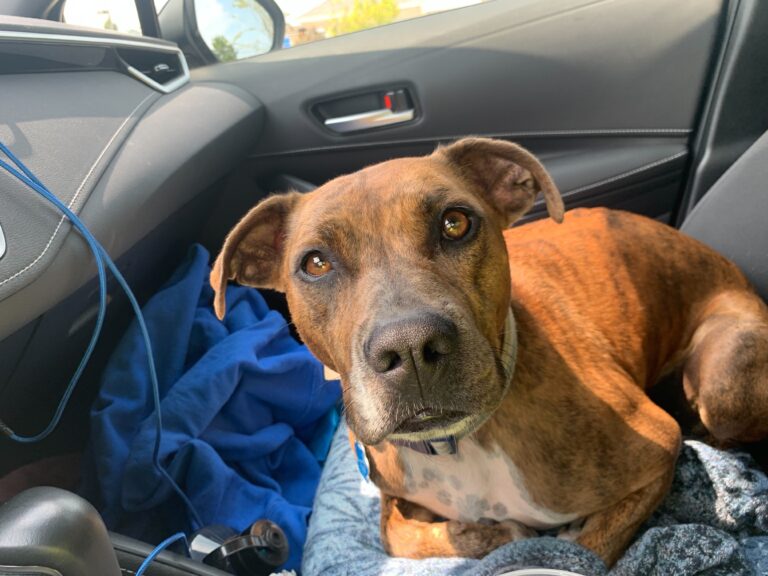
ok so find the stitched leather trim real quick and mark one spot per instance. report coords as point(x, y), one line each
point(681, 132)
point(79, 190)
point(625, 174)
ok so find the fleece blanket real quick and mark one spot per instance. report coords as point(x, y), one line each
point(714, 522)
point(248, 417)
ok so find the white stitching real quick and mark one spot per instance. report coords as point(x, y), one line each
point(506, 135)
point(626, 174)
point(77, 193)
point(680, 131)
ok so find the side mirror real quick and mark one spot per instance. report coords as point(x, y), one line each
point(210, 31)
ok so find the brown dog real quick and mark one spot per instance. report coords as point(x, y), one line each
point(529, 350)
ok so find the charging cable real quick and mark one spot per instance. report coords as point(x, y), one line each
point(159, 548)
point(25, 175)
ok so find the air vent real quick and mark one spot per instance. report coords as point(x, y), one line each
point(163, 70)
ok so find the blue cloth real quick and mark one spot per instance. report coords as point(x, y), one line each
point(248, 417)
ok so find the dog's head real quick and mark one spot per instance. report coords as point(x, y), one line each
point(397, 278)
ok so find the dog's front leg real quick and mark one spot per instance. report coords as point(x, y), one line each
point(411, 531)
point(608, 532)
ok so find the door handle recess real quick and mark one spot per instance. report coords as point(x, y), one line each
point(368, 120)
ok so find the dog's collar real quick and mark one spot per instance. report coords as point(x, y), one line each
point(449, 444)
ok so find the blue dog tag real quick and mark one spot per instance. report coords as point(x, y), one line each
point(362, 461)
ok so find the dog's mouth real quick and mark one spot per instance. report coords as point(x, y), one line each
point(430, 419)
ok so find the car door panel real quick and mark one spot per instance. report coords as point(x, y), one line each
point(606, 93)
point(592, 170)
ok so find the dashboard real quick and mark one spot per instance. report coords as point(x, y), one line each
point(113, 126)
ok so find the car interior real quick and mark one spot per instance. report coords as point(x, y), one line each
point(649, 106)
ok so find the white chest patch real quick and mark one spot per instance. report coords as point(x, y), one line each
point(474, 485)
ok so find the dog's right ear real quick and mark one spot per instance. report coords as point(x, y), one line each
point(253, 251)
point(508, 176)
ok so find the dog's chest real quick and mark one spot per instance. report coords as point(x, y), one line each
point(473, 485)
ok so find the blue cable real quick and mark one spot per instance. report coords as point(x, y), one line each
point(101, 256)
point(159, 548)
point(93, 245)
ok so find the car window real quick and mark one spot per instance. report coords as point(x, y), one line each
point(310, 20)
point(117, 15)
point(235, 29)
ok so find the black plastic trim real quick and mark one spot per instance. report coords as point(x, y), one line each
point(148, 18)
point(541, 134)
point(734, 114)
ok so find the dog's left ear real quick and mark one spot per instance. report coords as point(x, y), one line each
point(253, 251)
point(508, 176)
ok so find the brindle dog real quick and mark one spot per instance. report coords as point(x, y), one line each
point(533, 346)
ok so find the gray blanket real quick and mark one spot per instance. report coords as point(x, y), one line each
point(714, 523)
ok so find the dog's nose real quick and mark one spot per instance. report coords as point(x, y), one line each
point(417, 345)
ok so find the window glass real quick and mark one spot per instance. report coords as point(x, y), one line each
point(117, 15)
point(310, 20)
point(305, 20)
point(234, 29)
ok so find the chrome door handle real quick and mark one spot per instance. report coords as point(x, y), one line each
point(368, 120)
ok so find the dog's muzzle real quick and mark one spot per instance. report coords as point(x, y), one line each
point(449, 443)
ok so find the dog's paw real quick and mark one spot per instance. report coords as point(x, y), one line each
point(518, 531)
point(477, 539)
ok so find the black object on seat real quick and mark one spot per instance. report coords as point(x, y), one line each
point(732, 217)
point(57, 531)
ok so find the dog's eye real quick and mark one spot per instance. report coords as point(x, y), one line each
point(456, 224)
point(315, 264)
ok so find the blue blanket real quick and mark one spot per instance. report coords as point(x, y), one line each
point(248, 417)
